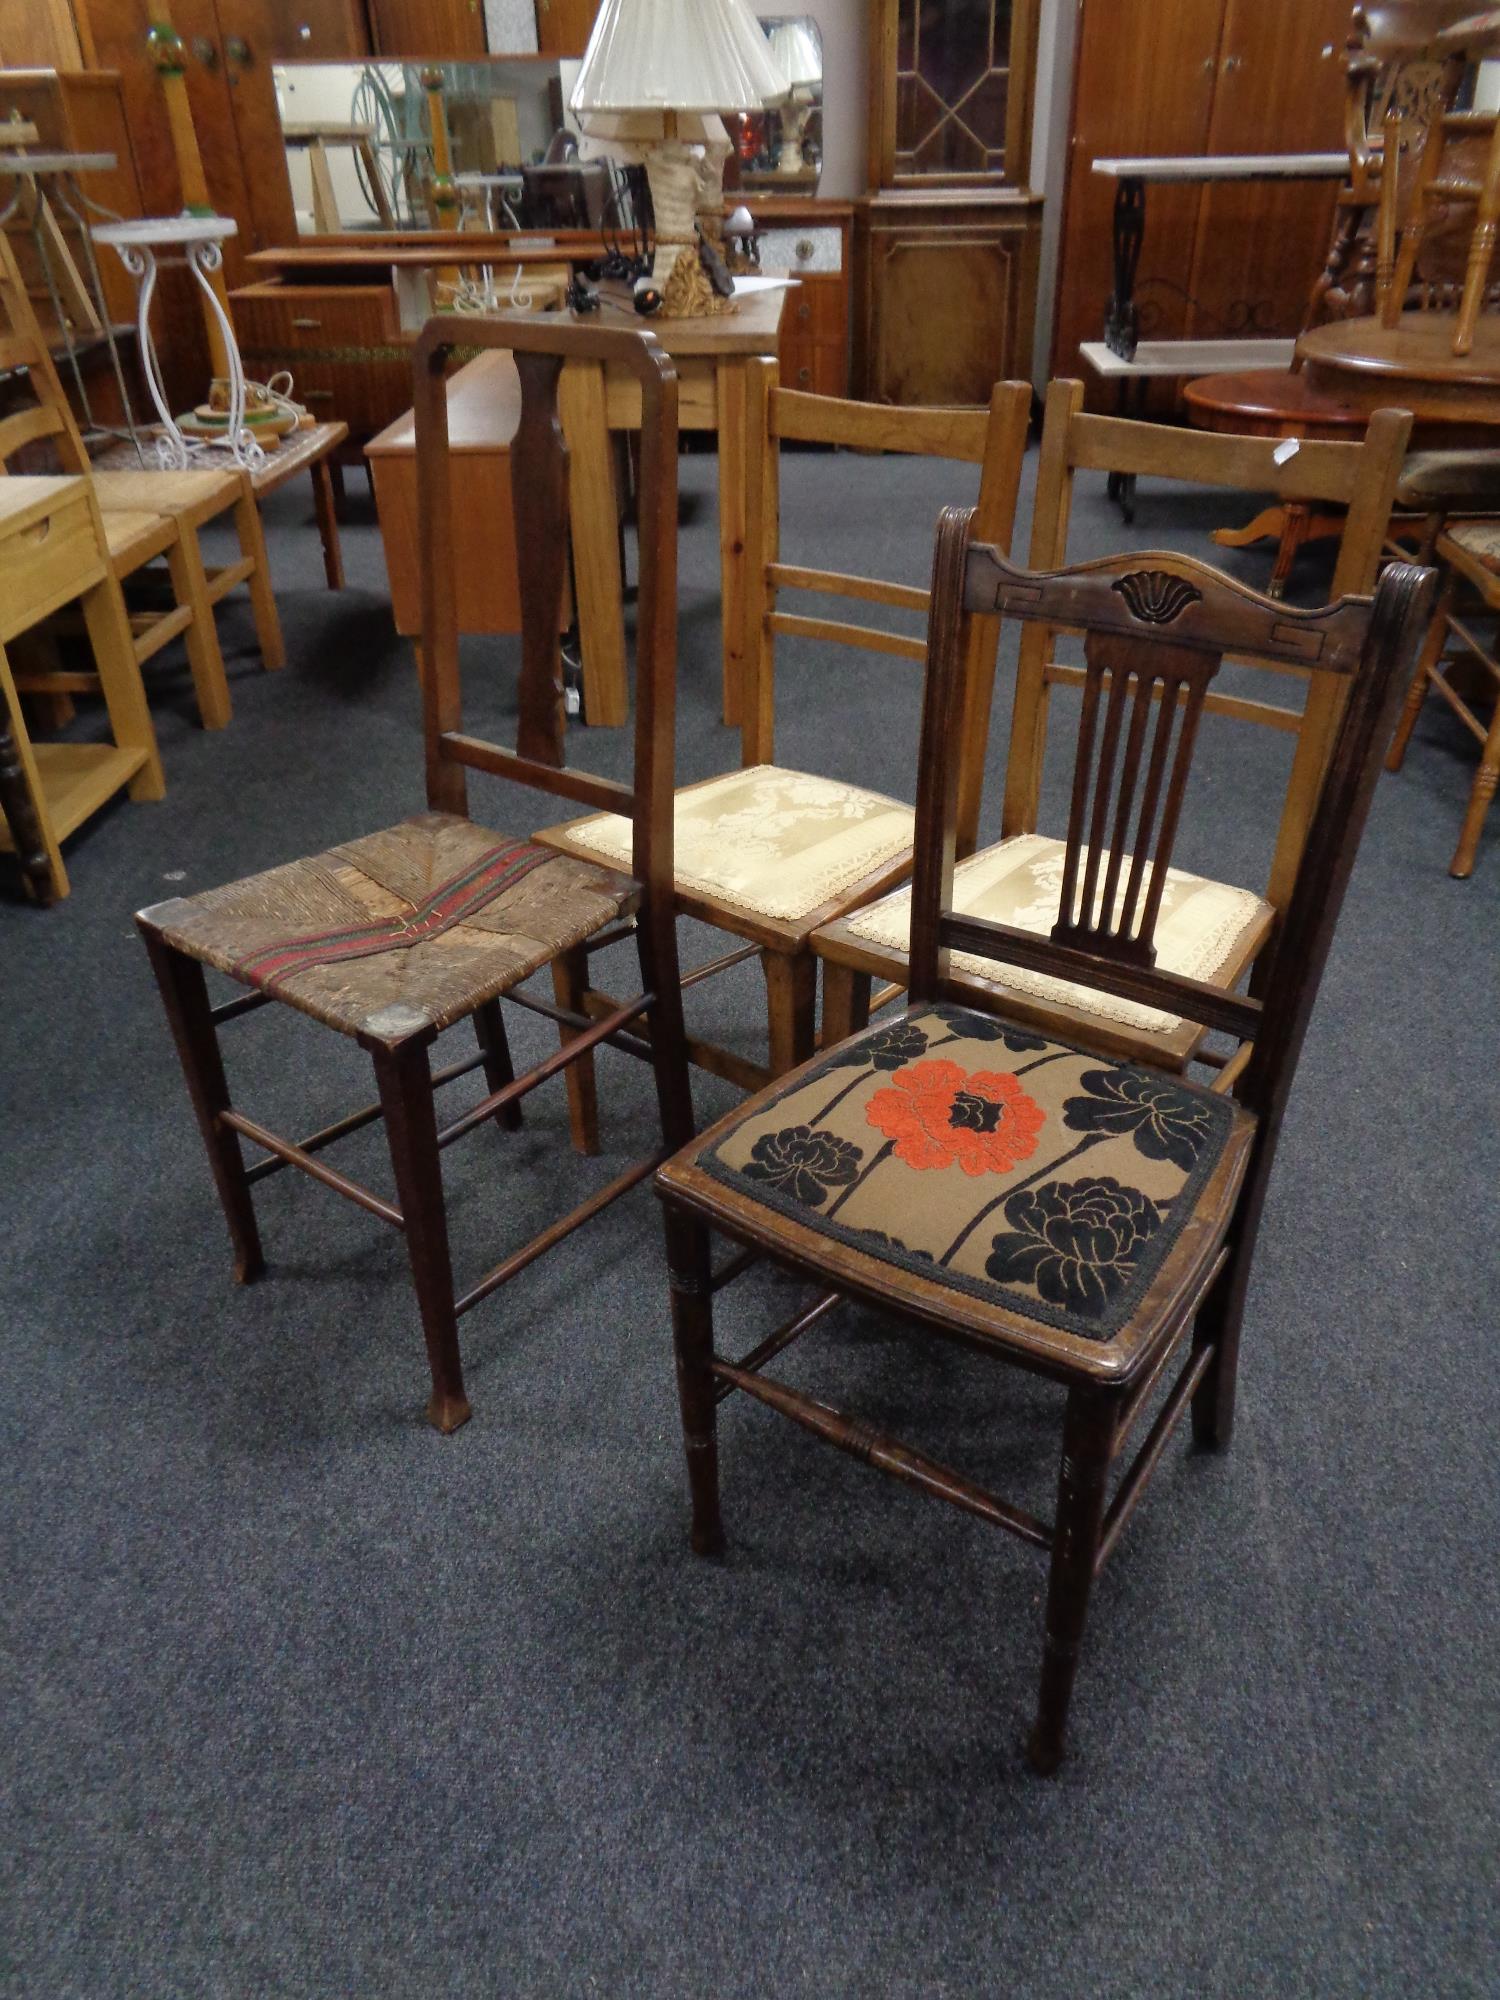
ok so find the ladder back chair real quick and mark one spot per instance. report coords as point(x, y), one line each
point(393, 938)
point(766, 853)
point(1210, 930)
point(147, 515)
point(1091, 1221)
point(1468, 553)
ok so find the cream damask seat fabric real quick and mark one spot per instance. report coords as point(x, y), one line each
point(773, 843)
point(1203, 928)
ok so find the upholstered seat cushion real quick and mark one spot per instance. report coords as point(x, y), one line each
point(969, 1153)
point(1480, 539)
point(1445, 480)
point(771, 842)
point(1201, 928)
point(407, 929)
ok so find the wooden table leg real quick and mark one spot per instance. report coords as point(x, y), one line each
point(21, 802)
point(328, 523)
point(732, 388)
point(594, 517)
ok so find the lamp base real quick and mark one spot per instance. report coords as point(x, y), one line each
point(688, 292)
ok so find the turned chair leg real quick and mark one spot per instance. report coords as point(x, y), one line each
point(499, 1070)
point(1427, 665)
point(846, 1003)
point(1088, 1439)
point(570, 985)
point(184, 994)
point(791, 1007)
point(1480, 800)
point(693, 1340)
point(405, 1080)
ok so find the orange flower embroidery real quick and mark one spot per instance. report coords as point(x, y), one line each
point(939, 1115)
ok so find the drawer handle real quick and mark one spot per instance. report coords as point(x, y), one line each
point(804, 374)
point(317, 395)
point(307, 322)
point(36, 535)
point(805, 247)
point(804, 312)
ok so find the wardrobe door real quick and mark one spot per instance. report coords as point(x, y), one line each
point(563, 27)
point(1144, 80)
point(1280, 89)
point(428, 28)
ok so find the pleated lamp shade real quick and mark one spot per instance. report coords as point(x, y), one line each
point(796, 54)
point(677, 55)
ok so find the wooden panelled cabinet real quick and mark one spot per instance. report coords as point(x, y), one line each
point(946, 251)
point(1193, 77)
point(563, 26)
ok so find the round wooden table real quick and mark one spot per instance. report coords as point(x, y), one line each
point(1410, 366)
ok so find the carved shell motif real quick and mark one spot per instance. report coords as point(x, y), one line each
point(1155, 596)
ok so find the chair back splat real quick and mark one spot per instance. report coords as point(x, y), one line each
point(1156, 627)
point(539, 482)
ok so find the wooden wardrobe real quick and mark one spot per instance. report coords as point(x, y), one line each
point(1200, 77)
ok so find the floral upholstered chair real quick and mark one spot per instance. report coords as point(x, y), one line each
point(1087, 1218)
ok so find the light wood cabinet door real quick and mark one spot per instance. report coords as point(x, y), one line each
point(563, 27)
point(1144, 84)
point(1279, 89)
point(428, 27)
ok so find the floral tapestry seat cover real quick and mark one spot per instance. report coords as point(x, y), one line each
point(1022, 1171)
point(772, 842)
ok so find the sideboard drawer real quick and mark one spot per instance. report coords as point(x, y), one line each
point(817, 247)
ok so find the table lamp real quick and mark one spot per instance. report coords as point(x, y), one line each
point(654, 77)
point(797, 55)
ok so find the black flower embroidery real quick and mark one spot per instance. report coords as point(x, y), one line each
point(803, 1163)
point(971, 1113)
point(878, 1240)
point(985, 1028)
point(1077, 1241)
point(1168, 1123)
point(891, 1047)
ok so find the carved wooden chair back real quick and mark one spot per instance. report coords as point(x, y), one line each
point(1157, 628)
point(993, 439)
point(542, 346)
point(1361, 477)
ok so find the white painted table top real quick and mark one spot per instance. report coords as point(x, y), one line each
point(1187, 357)
point(57, 163)
point(1228, 167)
point(154, 231)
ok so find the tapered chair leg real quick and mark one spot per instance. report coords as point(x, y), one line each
point(499, 1070)
point(184, 994)
point(405, 1080)
point(252, 539)
point(846, 1003)
point(570, 985)
point(693, 1339)
point(1088, 1437)
point(1218, 1326)
point(791, 1007)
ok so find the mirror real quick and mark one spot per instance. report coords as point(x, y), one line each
point(782, 150)
point(361, 154)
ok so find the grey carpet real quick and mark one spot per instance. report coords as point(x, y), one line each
point(302, 1699)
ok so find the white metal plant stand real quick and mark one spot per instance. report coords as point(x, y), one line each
point(200, 238)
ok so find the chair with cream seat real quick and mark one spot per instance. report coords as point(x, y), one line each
point(1207, 930)
point(768, 853)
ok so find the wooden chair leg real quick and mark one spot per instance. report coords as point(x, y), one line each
point(1416, 694)
point(846, 1003)
point(120, 682)
point(1480, 800)
point(23, 802)
point(791, 1006)
point(325, 507)
point(404, 1077)
point(489, 1026)
point(1296, 520)
point(252, 539)
point(689, 1269)
point(570, 986)
point(190, 586)
point(185, 997)
point(1088, 1437)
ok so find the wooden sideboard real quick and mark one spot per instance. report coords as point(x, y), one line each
point(329, 309)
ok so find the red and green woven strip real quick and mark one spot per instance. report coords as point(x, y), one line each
point(498, 869)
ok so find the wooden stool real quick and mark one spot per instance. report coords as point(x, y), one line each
point(53, 550)
point(1273, 402)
